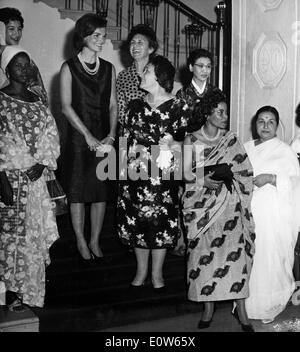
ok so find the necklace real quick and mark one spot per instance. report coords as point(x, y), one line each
point(210, 138)
point(90, 71)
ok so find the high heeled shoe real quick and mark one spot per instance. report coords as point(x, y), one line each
point(245, 327)
point(96, 259)
point(204, 324)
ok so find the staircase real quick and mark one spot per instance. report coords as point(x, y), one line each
point(81, 298)
point(179, 28)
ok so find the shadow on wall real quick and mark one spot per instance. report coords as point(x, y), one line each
point(54, 96)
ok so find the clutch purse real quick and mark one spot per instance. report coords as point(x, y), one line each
point(222, 172)
point(57, 194)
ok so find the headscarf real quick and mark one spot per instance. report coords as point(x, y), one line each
point(9, 53)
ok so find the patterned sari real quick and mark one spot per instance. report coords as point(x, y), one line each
point(220, 228)
point(28, 135)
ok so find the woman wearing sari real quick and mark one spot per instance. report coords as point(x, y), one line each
point(217, 213)
point(29, 146)
point(275, 168)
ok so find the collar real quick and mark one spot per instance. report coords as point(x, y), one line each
point(200, 91)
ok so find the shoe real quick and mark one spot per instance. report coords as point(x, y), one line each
point(204, 324)
point(268, 321)
point(87, 263)
point(136, 287)
point(159, 289)
point(96, 259)
point(245, 327)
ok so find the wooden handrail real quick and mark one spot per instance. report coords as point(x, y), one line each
point(187, 11)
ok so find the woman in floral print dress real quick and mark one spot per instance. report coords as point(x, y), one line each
point(29, 146)
point(147, 214)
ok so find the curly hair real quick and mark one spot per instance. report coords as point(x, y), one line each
point(146, 31)
point(204, 108)
point(85, 26)
point(164, 72)
point(11, 14)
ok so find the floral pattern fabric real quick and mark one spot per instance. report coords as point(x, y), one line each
point(147, 214)
point(28, 135)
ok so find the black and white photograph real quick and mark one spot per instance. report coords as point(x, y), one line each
point(150, 169)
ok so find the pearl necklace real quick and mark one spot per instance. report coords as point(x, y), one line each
point(211, 139)
point(88, 70)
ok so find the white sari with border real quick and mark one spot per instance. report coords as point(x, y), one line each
point(272, 282)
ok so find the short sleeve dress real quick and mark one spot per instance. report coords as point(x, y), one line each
point(147, 207)
point(90, 100)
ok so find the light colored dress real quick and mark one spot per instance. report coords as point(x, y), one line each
point(272, 283)
point(28, 135)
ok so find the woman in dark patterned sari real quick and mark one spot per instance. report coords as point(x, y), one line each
point(217, 212)
point(147, 214)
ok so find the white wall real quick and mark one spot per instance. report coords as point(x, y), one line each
point(204, 7)
point(45, 36)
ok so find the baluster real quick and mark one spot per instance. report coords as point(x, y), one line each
point(119, 12)
point(166, 29)
point(80, 5)
point(220, 9)
point(67, 4)
point(130, 15)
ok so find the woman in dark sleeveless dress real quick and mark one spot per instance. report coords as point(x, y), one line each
point(89, 102)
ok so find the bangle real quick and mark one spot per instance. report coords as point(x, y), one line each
point(274, 180)
point(111, 137)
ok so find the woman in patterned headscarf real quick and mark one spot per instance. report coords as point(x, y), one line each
point(29, 147)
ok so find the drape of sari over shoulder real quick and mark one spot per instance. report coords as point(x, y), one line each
point(272, 282)
point(220, 228)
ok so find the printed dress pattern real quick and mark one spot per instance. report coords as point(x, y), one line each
point(220, 228)
point(28, 135)
point(147, 213)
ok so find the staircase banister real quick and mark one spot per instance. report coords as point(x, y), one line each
point(192, 14)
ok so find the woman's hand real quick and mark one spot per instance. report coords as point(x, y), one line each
point(92, 142)
point(109, 140)
point(262, 179)
point(6, 191)
point(210, 183)
point(38, 90)
point(35, 172)
point(166, 142)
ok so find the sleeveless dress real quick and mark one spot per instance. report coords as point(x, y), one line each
point(90, 100)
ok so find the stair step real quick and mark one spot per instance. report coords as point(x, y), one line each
point(25, 321)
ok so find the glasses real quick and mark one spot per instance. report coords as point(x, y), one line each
point(201, 66)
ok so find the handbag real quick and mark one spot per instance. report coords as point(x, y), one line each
point(57, 194)
point(222, 172)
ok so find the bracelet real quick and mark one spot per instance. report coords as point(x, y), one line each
point(274, 180)
point(111, 137)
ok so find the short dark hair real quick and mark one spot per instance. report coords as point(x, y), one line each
point(11, 14)
point(204, 108)
point(146, 31)
point(164, 72)
point(196, 54)
point(85, 26)
point(267, 108)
